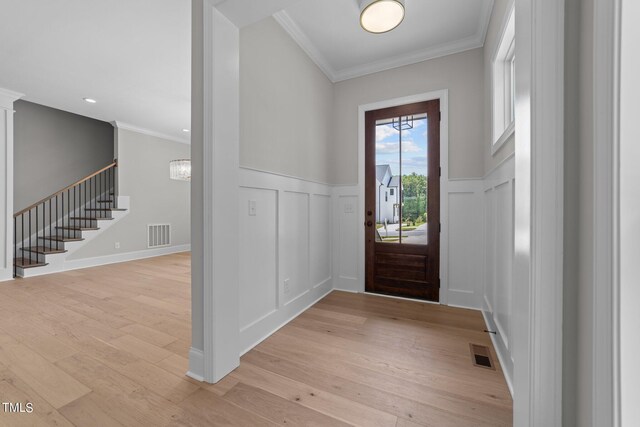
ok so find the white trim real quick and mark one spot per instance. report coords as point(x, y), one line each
point(539, 208)
point(196, 364)
point(605, 285)
point(216, 132)
point(500, 352)
point(284, 175)
point(506, 135)
point(7, 98)
point(294, 31)
point(443, 96)
point(433, 52)
point(126, 126)
point(78, 264)
point(289, 319)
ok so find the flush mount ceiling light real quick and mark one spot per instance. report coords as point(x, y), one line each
point(90, 100)
point(381, 16)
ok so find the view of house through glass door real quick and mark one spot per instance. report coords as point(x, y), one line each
point(402, 194)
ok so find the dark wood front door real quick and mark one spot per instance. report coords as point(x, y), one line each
point(402, 200)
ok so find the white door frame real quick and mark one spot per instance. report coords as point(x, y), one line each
point(539, 195)
point(443, 96)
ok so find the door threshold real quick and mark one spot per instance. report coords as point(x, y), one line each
point(402, 298)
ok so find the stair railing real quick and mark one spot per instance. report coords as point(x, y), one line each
point(62, 215)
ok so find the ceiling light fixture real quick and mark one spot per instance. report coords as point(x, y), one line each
point(180, 170)
point(185, 130)
point(381, 16)
point(90, 100)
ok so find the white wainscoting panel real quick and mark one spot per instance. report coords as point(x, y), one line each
point(321, 239)
point(498, 259)
point(285, 234)
point(465, 260)
point(258, 252)
point(347, 244)
point(295, 245)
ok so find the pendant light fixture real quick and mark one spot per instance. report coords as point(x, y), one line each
point(381, 16)
point(180, 170)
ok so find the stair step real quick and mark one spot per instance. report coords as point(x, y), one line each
point(28, 263)
point(62, 239)
point(43, 250)
point(78, 228)
point(88, 218)
point(104, 209)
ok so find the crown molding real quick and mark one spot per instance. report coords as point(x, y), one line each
point(137, 129)
point(410, 58)
point(292, 28)
point(473, 42)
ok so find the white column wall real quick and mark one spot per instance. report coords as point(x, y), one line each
point(7, 98)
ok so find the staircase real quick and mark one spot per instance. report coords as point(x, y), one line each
point(48, 231)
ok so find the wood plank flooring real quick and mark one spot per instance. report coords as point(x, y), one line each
point(108, 346)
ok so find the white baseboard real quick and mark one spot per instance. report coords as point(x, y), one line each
point(6, 274)
point(500, 351)
point(289, 319)
point(77, 264)
point(196, 364)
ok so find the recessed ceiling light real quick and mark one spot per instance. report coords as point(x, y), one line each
point(380, 16)
point(90, 100)
point(186, 130)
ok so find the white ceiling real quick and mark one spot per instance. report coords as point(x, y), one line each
point(329, 31)
point(132, 56)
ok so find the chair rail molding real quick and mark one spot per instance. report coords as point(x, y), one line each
point(539, 195)
point(7, 98)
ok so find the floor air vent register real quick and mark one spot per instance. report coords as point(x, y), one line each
point(481, 356)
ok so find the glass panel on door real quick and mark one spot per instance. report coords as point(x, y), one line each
point(401, 180)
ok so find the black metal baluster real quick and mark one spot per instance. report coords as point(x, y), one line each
point(15, 245)
point(22, 233)
point(50, 223)
point(29, 228)
point(75, 236)
point(56, 219)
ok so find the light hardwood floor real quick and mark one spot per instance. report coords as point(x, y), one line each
point(107, 346)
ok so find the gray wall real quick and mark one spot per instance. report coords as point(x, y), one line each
point(54, 149)
point(286, 105)
point(143, 173)
point(462, 74)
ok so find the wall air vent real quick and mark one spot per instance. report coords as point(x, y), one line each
point(158, 235)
